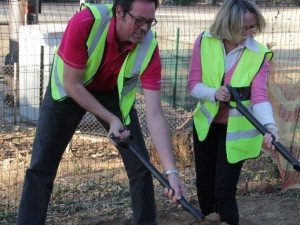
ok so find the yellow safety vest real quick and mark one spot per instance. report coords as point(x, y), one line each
point(243, 141)
point(133, 66)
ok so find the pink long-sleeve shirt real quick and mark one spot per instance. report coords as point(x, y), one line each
point(259, 83)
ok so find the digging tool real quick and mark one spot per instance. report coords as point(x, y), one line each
point(279, 147)
point(186, 205)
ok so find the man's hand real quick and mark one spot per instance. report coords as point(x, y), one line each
point(119, 130)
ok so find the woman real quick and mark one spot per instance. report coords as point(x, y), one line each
point(228, 54)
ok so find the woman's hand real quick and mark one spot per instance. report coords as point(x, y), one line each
point(222, 94)
point(267, 141)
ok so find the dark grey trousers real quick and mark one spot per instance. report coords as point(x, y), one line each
point(57, 123)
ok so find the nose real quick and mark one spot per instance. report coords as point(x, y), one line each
point(247, 32)
point(145, 27)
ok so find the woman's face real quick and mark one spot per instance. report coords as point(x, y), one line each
point(249, 24)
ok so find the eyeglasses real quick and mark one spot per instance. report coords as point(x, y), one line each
point(141, 22)
point(251, 28)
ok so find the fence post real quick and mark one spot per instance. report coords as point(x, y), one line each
point(16, 19)
point(175, 69)
point(15, 93)
point(41, 76)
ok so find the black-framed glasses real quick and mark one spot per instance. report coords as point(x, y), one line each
point(141, 22)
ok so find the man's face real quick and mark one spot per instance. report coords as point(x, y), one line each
point(128, 28)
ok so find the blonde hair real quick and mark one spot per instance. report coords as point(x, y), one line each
point(229, 21)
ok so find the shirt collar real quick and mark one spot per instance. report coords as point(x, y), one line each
point(249, 43)
point(112, 36)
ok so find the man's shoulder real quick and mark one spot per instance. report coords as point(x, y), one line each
point(83, 15)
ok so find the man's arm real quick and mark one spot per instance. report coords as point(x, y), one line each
point(75, 89)
point(161, 138)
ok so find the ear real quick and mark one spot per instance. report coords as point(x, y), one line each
point(119, 12)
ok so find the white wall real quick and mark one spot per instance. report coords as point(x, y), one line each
point(31, 39)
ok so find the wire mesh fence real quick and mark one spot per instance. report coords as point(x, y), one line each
point(91, 176)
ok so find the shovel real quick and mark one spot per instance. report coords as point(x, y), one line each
point(186, 205)
point(279, 147)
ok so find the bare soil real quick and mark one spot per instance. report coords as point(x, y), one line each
point(255, 209)
point(78, 199)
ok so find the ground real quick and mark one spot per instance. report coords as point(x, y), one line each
point(255, 209)
point(78, 199)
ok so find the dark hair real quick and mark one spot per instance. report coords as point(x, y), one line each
point(126, 4)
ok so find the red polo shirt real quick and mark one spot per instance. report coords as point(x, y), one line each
point(73, 51)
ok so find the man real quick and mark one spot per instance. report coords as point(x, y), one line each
point(104, 51)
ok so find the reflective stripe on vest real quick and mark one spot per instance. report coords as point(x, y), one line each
point(205, 112)
point(204, 117)
point(135, 64)
point(95, 44)
point(97, 37)
point(243, 140)
point(236, 135)
point(132, 67)
point(57, 89)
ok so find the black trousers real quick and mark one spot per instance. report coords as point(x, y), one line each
point(57, 123)
point(216, 178)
